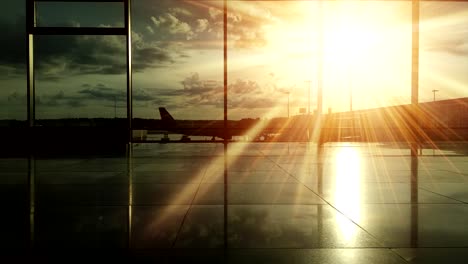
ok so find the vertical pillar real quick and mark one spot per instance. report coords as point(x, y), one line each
point(32, 199)
point(30, 91)
point(320, 61)
point(225, 80)
point(414, 202)
point(130, 194)
point(225, 76)
point(415, 74)
point(415, 54)
point(318, 126)
point(128, 27)
point(30, 95)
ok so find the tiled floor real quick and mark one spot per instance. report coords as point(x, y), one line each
point(286, 203)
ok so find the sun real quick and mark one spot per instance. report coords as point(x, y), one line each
point(359, 47)
point(349, 41)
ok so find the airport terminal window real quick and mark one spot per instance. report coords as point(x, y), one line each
point(367, 54)
point(80, 78)
point(443, 53)
point(178, 64)
point(12, 62)
point(76, 14)
point(274, 59)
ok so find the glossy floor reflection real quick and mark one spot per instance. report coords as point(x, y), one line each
point(341, 203)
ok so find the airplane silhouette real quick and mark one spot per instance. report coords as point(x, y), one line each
point(212, 128)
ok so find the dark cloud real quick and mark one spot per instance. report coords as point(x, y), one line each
point(142, 95)
point(58, 99)
point(75, 102)
point(90, 93)
point(176, 26)
point(103, 93)
point(110, 96)
point(15, 97)
point(59, 56)
point(13, 44)
point(151, 57)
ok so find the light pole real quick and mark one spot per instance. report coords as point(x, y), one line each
point(286, 92)
point(434, 123)
point(308, 100)
point(434, 92)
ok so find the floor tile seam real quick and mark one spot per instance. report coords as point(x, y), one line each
point(322, 198)
point(456, 172)
point(431, 247)
point(395, 253)
point(190, 207)
point(77, 163)
point(280, 248)
point(247, 249)
point(439, 194)
point(61, 173)
point(58, 205)
point(117, 172)
point(81, 184)
point(107, 206)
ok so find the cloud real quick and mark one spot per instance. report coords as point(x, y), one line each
point(246, 24)
point(157, 45)
point(170, 23)
point(150, 30)
point(454, 46)
point(244, 87)
point(202, 25)
point(246, 94)
point(194, 85)
point(179, 10)
point(215, 13)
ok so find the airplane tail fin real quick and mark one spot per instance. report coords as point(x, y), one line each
point(165, 116)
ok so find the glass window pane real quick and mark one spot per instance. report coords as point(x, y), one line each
point(444, 50)
point(12, 63)
point(359, 53)
point(178, 66)
point(75, 14)
point(80, 77)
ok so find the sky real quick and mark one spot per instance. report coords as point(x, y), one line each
point(273, 57)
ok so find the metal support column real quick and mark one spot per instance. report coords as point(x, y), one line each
point(30, 91)
point(128, 28)
point(415, 74)
point(226, 129)
point(320, 61)
point(30, 97)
